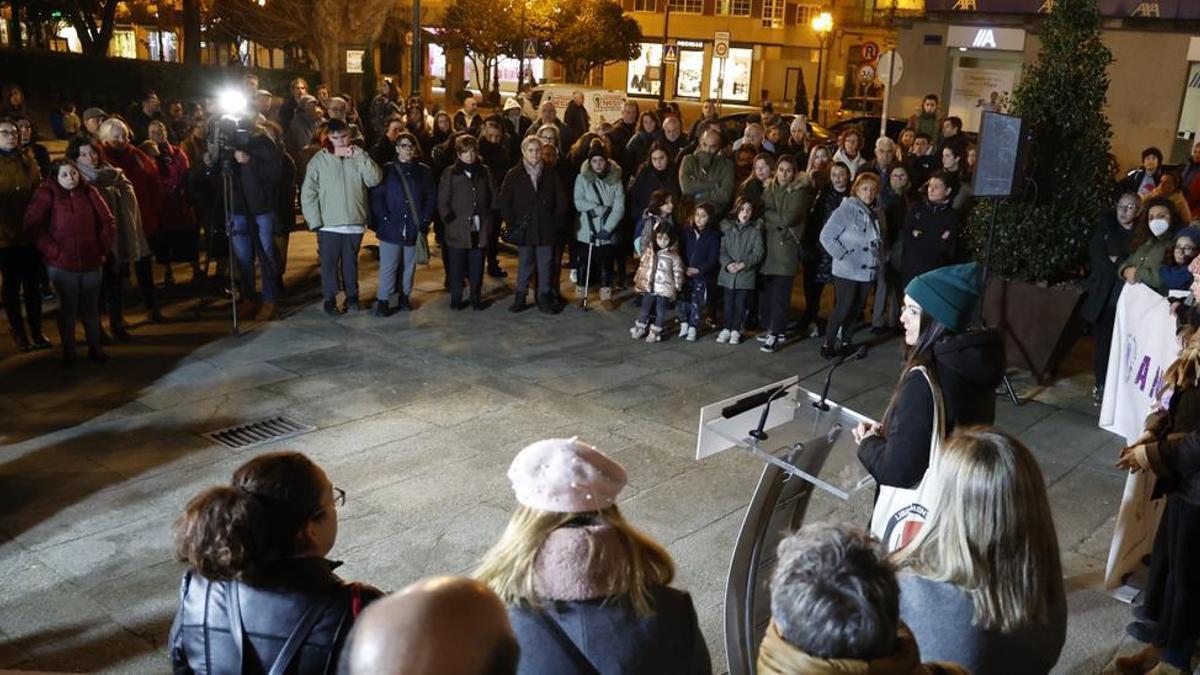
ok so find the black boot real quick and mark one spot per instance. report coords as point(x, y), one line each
point(331, 307)
point(382, 309)
point(403, 305)
point(519, 304)
point(546, 304)
point(352, 304)
point(21, 340)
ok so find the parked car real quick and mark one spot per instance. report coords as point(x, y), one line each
point(733, 126)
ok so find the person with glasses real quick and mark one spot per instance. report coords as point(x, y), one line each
point(19, 261)
point(1110, 244)
point(402, 206)
point(1174, 272)
point(258, 573)
point(1152, 244)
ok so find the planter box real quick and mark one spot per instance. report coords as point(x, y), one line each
point(1039, 324)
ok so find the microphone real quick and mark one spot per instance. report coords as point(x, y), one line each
point(860, 353)
point(749, 403)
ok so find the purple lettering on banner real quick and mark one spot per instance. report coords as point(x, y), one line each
point(1158, 383)
point(1143, 372)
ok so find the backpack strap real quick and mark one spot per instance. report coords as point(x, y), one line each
point(300, 633)
point(236, 629)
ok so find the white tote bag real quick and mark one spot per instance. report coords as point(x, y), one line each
point(899, 512)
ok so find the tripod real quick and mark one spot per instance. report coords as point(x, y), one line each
point(987, 262)
point(227, 207)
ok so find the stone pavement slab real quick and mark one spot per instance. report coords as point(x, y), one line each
point(417, 418)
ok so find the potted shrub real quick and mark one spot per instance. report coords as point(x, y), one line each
point(1040, 246)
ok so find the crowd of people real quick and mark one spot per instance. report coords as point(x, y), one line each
point(713, 228)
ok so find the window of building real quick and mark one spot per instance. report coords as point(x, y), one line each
point(644, 5)
point(806, 13)
point(733, 7)
point(772, 13)
point(644, 74)
point(163, 46)
point(123, 44)
point(686, 6)
point(689, 71)
point(732, 83)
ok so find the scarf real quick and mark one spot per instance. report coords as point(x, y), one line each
point(777, 656)
point(89, 174)
point(534, 171)
point(566, 568)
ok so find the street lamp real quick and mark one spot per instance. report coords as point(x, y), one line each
point(822, 24)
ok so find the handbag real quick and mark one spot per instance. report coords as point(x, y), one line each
point(515, 234)
point(422, 254)
point(900, 512)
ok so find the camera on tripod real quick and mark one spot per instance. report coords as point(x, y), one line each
point(230, 131)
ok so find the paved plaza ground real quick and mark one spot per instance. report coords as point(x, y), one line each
point(417, 417)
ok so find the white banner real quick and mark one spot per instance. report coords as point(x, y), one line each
point(975, 90)
point(1143, 347)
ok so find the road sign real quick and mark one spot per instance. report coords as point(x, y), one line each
point(721, 44)
point(671, 54)
point(889, 73)
point(870, 51)
point(531, 49)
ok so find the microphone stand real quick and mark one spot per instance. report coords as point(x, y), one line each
point(822, 404)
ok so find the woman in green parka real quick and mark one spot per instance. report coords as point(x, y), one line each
point(786, 201)
point(1153, 236)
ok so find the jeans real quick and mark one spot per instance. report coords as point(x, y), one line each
point(393, 258)
point(694, 301)
point(254, 237)
point(464, 262)
point(660, 304)
point(529, 257)
point(849, 299)
point(78, 298)
point(335, 247)
point(20, 270)
point(776, 301)
point(735, 308)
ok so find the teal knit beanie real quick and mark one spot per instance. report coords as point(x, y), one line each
point(948, 294)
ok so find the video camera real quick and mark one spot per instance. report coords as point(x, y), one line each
point(231, 130)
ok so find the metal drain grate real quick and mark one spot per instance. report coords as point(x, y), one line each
point(257, 433)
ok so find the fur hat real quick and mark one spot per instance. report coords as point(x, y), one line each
point(565, 475)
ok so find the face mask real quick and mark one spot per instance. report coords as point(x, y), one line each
point(1158, 226)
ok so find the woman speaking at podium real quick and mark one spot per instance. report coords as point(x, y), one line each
point(949, 378)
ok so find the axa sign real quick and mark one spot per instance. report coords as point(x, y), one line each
point(985, 39)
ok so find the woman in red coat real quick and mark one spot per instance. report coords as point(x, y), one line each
point(143, 173)
point(177, 239)
point(73, 228)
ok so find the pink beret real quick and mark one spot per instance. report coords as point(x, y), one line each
point(565, 475)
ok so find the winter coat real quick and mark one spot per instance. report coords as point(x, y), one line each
point(391, 211)
point(1174, 454)
point(1175, 277)
point(143, 173)
point(852, 238)
point(300, 133)
point(828, 200)
point(777, 656)
point(643, 232)
point(968, 368)
point(540, 209)
point(1110, 241)
point(73, 230)
point(382, 109)
point(19, 176)
point(637, 150)
point(1147, 261)
point(928, 239)
point(130, 241)
point(708, 178)
point(600, 201)
point(751, 189)
point(660, 273)
point(646, 182)
point(858, 163)
point(741, 243)
point(927, 123)
point(1132, 182)
point(577, 119)
point(495, 157)
point(464, 192)
point(785, 209)
point(201, 641)
point(173, 166)
point(255, 183)
point(702, 250)
point(586, 597)
point(471, 126)
point(335, 189)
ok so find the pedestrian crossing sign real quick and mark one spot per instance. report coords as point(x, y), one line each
point(671, 54)
point(531, 49)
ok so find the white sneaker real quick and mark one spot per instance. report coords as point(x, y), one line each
point(763, 337)
point(574, 277)
point(735, 338)
point(769, 345)
point(683, 328)
point(691, 334)
point(655, 335)
point(723, 336)
point(637, 332)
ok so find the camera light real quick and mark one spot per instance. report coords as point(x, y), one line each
point(231, 102)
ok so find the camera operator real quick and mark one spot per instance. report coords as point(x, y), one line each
point(256, 165)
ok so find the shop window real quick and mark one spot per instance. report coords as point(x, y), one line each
point(732, 83)
point(644, 71)
point(733, 7)
point(772, 14)
point(689, 73)
point(686, 6)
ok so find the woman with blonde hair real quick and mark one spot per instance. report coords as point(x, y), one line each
point(587, 593)
point(981, 585)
